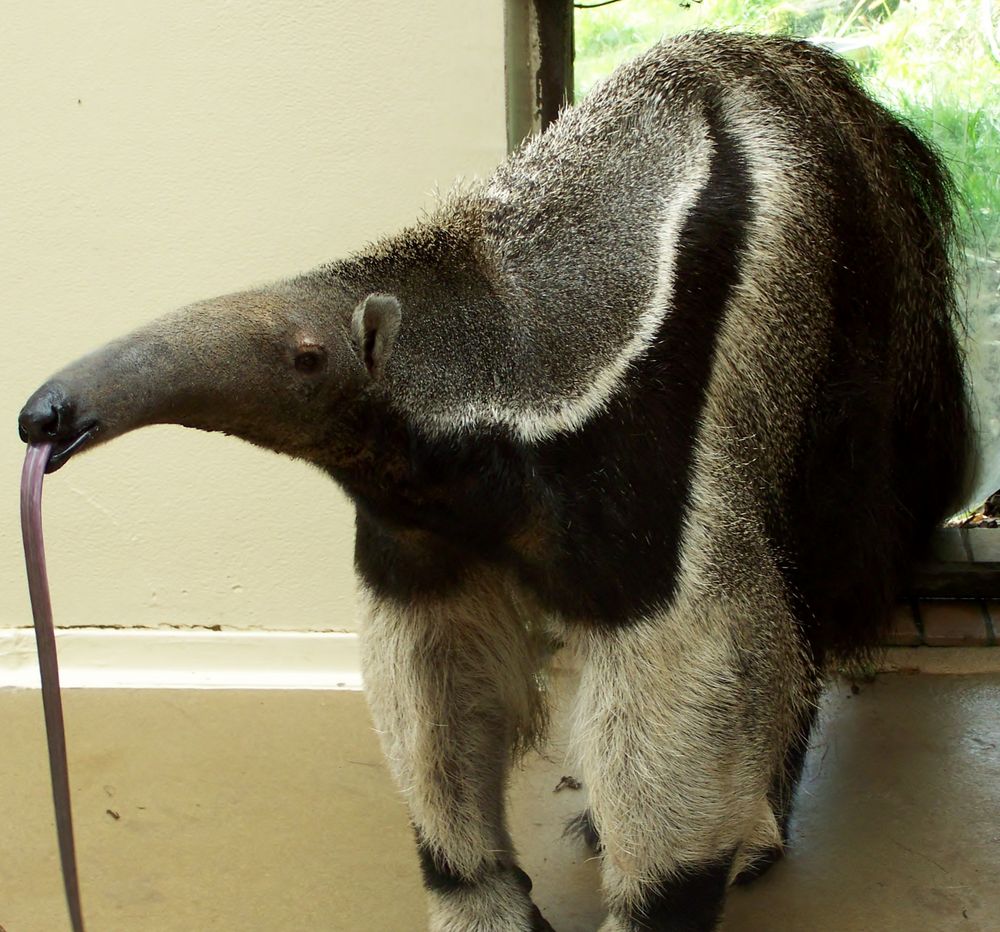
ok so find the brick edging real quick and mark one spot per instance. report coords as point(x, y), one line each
point(945, 623)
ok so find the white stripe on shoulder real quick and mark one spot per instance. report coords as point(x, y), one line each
point(534, 423)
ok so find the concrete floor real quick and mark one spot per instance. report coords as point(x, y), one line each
point(269, 810)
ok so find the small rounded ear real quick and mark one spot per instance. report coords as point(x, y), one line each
point(374, 327)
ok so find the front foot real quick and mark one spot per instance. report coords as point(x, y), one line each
point(498, 900)
point(689, 900)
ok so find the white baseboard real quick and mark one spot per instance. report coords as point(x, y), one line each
point(168, 658)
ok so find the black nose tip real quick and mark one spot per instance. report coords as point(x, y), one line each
point(48, 415)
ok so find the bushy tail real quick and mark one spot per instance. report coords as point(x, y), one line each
point(933, 430)
point(893, 439)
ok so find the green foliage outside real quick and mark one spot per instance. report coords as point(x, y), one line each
point(929, 60)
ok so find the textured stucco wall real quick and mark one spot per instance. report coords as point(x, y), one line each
point(154, 153)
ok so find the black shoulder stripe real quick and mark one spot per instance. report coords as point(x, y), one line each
point(622, 484)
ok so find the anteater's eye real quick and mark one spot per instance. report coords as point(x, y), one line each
point(310, 358)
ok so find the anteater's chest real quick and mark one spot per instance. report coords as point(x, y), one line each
point(590, 523)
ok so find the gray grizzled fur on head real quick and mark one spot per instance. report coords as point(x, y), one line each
point(612, 390)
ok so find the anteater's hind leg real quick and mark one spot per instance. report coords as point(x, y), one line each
point(683, 721)
point(783, 787)
point(451, 685)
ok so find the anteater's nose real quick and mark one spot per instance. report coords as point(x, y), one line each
point(48, 415)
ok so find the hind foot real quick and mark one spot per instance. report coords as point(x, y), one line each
point(582, 826)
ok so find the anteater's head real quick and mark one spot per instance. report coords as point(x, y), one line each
point(286, 367)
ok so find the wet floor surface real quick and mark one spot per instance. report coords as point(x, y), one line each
point(272, 810)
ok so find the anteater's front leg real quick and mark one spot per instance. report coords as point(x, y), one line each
point(451, 685)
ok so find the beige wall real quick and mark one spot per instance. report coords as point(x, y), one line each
point(152, 153)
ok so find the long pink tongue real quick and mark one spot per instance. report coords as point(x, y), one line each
point(41, 609)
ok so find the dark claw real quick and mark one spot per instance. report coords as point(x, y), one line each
point(538, 921)
point(582, 826)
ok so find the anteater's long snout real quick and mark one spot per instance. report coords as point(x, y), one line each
point(51, 415)
point(265, 365)
point(113, 389)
